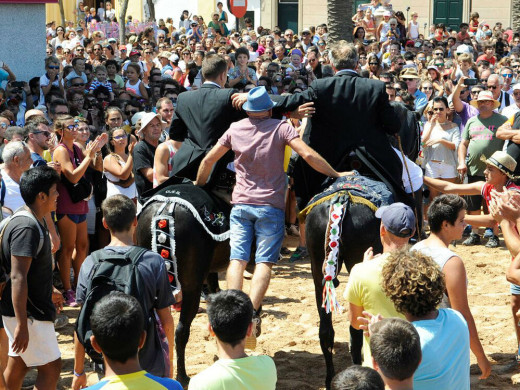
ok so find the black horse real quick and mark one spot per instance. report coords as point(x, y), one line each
point(360, 230)
point(199, 258)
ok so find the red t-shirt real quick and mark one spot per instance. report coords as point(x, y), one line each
point(491, 60)
point(486, 190)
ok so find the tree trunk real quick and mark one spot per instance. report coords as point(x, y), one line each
point(515, 11)
point(122, 21)
point(62, 12)
point(339, 20)
point(151, 9)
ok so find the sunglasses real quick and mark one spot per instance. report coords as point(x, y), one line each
point(3, 125)
point(119, 137)
point(438, 109)
point(475, 92)
point(71, 127)
point(430, 112)
point(509, 76)
point(78, 85)
point(440, 64)
point(373, 63)
point(492, 87)
point(53, 67)
point(427, 88)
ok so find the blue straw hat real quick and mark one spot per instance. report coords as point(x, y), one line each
point(258, 100)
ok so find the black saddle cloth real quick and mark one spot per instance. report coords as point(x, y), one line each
point(213, 211)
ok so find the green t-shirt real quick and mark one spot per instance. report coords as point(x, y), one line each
point(481, 134)
point(249, 373)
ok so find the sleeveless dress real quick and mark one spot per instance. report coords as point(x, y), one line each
point(134, 88)
point(414, 30)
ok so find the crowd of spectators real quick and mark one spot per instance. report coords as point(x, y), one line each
point(100, 111)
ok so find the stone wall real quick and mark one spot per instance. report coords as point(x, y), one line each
point(22, 28)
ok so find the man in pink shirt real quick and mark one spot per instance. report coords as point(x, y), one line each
point(258, 142)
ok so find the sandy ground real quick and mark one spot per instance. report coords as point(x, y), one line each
point(290, 326)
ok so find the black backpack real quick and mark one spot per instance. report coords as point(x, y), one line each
point(111, 272)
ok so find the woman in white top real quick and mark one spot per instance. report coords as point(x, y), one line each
point(440, 140)
point(117, 166)
point(413, 27)
point(59, 38)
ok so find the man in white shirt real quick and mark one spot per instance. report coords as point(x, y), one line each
point(17, 160)
point(513, 108)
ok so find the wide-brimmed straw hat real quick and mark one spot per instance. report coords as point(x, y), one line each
point(485, 96)
point(503, 162)
point(409, 73)
point(146, 118)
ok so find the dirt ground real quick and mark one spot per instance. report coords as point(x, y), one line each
point(290, 326)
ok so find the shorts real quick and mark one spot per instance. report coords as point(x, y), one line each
point(76, 218)
point(440, 170)
point(263, 223)
point(43, 345)
point(514, 289)
point(474, 201)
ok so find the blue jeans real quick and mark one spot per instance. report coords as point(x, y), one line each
point(263, 223)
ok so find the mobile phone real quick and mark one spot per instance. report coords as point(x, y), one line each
point(470, 82)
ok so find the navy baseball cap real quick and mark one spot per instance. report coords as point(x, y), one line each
point(398, 219)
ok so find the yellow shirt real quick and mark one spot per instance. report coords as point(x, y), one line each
point(364, 290)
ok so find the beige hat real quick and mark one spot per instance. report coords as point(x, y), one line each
point(146, 118)
point(409, 73)
point(502, 161)
point(485, 96)
point(164, 54)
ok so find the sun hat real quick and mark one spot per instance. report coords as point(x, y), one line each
point(387, 13)
point(136, 117)
point(503, 162)
point(398, 219)
point(112, 40)
point(258, 100)
point(164, 54)
point(463, 49)
point(434, 68)
point(146, 118)
point(174, 57)
point(483, 96)
point(409, 73)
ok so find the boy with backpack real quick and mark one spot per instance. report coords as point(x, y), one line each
point(26, 304)
point(118, 332)
point(138, 272)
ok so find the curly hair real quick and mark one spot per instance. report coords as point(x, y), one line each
point(413, 282)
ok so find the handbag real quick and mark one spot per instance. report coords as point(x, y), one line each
point(82, 190)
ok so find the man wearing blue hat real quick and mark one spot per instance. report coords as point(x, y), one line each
point(363, 291)
point(259, 194)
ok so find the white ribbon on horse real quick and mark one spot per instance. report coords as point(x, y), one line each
point(333, 232)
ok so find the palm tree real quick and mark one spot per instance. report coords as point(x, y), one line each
point(515, 10)
point(151, 9)
point(122, 20)
point(62, 12)
point(339, 19)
